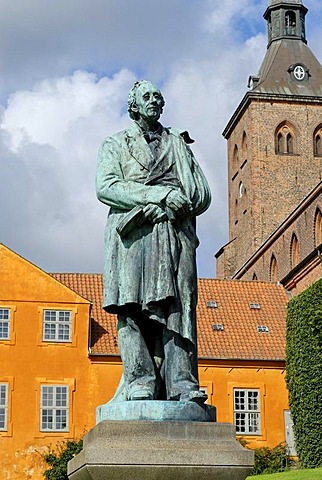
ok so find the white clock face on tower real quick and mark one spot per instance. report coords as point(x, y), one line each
point(299, 72)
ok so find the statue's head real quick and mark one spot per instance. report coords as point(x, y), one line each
point(137, 93)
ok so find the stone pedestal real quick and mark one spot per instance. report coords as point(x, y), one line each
point(161, 450)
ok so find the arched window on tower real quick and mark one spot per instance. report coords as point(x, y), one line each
point(317, 141)
point(295, 251)
point(318, 149)
point(235, 158)
point(285, 139)
point(280, 143)
point(236, 211)
point(289, 143)
point(244, 148)
point(273, 273)
point(290, 23)
point(241, 189)
point(318, 227)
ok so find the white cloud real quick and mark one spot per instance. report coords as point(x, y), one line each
point(223, 13)
point(50, 139)
point(55, 129)
point(45, 39)
point(59, 109)
point(45, 114)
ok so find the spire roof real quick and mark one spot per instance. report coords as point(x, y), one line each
point(289, 67)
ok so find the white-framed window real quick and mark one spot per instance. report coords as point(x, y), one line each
point(54, 408)
point(247, 411)
point(204, 390)
point(4, 323)
point(3, 407)
point(57, 325)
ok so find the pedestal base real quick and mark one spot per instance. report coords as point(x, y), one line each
point(149, 450)
point(159, 410)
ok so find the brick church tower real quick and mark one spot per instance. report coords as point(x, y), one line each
point(274, 138)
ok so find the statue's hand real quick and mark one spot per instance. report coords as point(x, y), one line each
point(178, 202)
point(154, 213)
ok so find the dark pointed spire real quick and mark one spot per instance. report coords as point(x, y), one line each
point(285, 19)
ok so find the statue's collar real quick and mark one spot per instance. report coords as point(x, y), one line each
point(135, 129)
point(156, 131)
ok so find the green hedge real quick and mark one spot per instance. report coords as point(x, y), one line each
point(304, 373)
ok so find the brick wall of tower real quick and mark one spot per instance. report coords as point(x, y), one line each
point(309, 268)
point(273, 185)
point(242, 190)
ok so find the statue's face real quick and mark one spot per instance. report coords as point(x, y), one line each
point(148, 102)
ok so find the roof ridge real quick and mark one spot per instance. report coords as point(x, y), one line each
point(74, 273)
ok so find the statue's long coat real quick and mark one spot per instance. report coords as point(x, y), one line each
point(154, 266)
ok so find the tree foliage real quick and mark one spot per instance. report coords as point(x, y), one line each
point(59, 458)
point(304, 373)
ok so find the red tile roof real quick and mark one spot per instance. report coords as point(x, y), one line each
point(103, 325)
point(240, 338)
point(231, 299)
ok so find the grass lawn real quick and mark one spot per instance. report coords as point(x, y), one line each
point(314, 474)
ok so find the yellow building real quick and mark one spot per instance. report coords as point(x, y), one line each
point(59, 359)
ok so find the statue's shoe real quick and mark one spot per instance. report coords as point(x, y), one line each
point(141, 394)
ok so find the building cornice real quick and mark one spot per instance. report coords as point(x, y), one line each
point(232, 362)
point(242, 362)
point(265, 97)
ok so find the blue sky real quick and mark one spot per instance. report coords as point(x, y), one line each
point(66, 69)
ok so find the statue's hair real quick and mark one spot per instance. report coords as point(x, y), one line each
point(131, 101)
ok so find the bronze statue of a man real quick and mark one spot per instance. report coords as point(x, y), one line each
point(149, 177)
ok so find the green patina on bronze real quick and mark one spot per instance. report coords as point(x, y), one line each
point(149, 178)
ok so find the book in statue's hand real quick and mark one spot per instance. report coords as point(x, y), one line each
point(133, 219)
